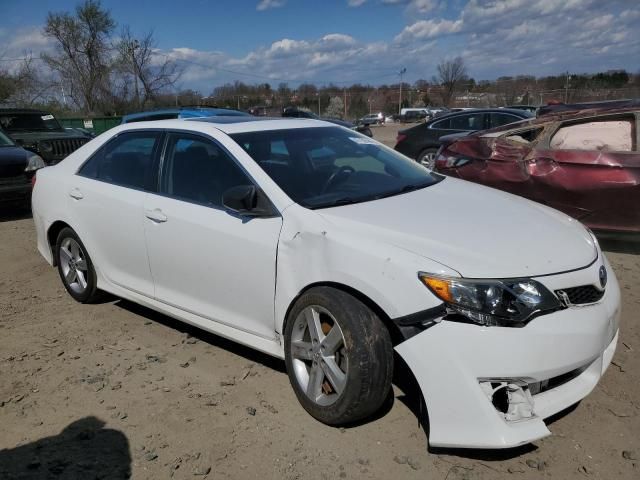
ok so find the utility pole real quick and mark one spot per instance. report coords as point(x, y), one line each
point(401, 73)
point(318, 94)
point(345, 103)
point(566, 88)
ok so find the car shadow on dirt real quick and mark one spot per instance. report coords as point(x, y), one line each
point(620, 243)
point(84, 449)
point(202, 335)
point(11, 213)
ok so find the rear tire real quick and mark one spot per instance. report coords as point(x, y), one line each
point(341, 371)
point(427, 157)
point(75, 267)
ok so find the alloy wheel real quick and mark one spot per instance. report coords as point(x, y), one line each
point(318, 355)
point(73, 263)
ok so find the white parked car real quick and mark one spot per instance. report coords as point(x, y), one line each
point(313, 243)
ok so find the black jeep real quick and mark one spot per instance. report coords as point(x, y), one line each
point(40, 132)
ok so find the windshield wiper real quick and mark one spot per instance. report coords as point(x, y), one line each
point(341, 201)
point(405, 189)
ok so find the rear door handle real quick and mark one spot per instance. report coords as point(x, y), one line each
point(75, 193)
point(156, 215)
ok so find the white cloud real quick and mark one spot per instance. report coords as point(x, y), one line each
point(495, 38)
point(355, 3)
point(423, 29)
point(22, 43)
point(419, 6)
point(267, 4)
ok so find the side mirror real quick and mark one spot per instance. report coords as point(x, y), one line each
point(247, 200)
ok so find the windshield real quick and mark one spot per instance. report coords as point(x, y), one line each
point(19, 122)
point(5, 141)
point(328, 166)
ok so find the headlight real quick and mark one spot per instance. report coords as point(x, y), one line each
point(507, 303)
point(34, 163)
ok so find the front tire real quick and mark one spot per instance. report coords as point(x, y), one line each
point(75, 267)
point(339, 356)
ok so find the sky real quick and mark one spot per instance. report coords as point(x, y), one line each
point(348, 41)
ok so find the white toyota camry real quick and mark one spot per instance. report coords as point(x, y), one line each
point(313, 243)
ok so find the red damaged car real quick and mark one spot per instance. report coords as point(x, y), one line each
point(584, 163)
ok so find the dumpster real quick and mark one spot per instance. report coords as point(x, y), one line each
point(94, 124)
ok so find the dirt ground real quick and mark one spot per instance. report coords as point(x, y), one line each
point(115, 390)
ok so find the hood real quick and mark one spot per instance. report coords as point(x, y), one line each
point(31, 137)
point(480, 232)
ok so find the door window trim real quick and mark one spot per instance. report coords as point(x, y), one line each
point(201, 137)
point(151, 184)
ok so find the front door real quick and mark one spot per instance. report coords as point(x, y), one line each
point(205, 260)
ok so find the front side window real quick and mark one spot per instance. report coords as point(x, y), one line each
point(126, 160)
point(327, 166)
point(197, 170)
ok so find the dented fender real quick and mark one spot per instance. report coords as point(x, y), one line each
point(313, 251)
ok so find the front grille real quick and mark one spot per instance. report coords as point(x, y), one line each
point(551, 383)
point(60, 148)
point(582, 295)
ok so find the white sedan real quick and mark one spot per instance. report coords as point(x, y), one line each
point(315, 244)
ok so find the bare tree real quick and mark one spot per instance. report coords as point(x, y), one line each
point(26, 84)
point(450, 74)
point(335, 108)
point(83, 59)
point(151, 73)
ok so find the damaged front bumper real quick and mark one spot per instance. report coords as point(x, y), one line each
point(492, 387)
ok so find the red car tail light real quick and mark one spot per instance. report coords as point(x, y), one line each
point(401, 137)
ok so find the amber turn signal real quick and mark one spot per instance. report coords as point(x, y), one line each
point(438, 286)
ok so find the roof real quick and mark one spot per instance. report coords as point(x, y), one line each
point(517, 112)
point(184, 112)
point(229, 125)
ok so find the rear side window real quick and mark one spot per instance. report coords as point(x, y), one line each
point(442, 124)
point(468, 122)
point(197, 170)
point(526, 136)
point(127, 160)
point(499, 119)
point(609, 135)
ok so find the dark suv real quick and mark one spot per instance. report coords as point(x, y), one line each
point(40, 132)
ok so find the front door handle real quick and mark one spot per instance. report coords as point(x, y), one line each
point(77, 194)
point(156, 215)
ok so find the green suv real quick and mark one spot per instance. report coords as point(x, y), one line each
point(40, 132)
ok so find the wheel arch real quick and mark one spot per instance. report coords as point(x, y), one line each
point(392, 328)
point(52, 237)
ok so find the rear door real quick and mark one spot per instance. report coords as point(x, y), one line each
point(106, 201)
point(205, 260)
